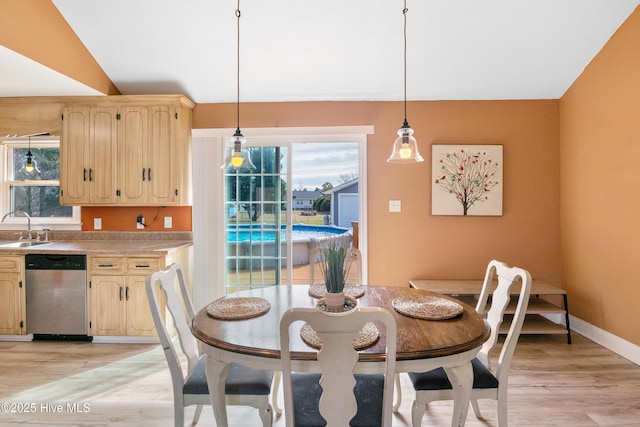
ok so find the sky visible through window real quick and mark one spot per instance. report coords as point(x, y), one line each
point(315, 163)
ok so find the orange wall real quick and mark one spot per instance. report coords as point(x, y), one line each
point(124, 218)
point(413, 243)
point(600, 186)
point(37, 30)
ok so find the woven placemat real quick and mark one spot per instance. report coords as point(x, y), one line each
point(354, 290)
point(365, 338)
point(238, 308)
point(427, 307)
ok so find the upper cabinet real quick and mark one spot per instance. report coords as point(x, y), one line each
point(126, 151)
point(88, 156)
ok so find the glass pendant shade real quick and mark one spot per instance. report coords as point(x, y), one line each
point(405, 147)
point(237, 156)
point(29, 166)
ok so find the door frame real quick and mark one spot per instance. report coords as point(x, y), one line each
point(208, 189)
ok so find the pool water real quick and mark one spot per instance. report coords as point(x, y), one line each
point(299, 232)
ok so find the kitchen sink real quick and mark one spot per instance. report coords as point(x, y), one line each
point(22, 244)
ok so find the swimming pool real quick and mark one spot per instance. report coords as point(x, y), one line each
point(248, 246)
point(299, 232)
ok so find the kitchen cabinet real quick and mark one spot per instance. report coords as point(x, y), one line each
point(142, 145)
point(88, 156)
point(117, 295)
point(148, 156)
point(12, 296)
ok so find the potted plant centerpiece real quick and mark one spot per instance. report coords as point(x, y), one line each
point(335, 266)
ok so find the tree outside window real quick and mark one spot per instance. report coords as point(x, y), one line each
point(36, 192)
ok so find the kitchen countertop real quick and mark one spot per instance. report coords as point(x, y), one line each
point(93, 247)
point(117, 244)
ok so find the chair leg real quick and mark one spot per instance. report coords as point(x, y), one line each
point(196, 416)
point(476, 408)
point(398, 394)
point(501, 408)
point(266, 415)
point(277, 380)
point(417, 411)
point(178, 414)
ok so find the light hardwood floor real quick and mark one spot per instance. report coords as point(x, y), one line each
point(551, 384)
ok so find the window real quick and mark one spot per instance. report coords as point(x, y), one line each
point(36, 192)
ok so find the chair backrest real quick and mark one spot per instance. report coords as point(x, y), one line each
point(506, 278)
point(163, 284)
point(316, 256)
point(337, 332)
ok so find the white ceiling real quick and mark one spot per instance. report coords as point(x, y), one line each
point(334, 50)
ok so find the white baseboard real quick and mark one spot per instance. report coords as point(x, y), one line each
point(606, 339)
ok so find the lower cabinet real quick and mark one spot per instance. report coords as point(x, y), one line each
point(117, 296)
point(12, 296)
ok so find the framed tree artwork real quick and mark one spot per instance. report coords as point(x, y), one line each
point(467, 180)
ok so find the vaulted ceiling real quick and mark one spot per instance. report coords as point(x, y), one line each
point(338, 50)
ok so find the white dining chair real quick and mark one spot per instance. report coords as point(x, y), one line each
point(337, 397)
point(244, 386)
point(488, 382)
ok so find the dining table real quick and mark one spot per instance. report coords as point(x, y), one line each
point(423, 343)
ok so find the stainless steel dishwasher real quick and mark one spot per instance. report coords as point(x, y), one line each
point(56, 290)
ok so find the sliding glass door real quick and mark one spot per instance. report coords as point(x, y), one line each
point(256, 226)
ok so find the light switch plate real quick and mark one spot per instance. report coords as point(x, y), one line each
point(97, 223)
point(168, 222)
point(395, 206)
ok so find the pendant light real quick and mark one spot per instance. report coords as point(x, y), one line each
point(405, 147)
point(29, 166)
point(237, 156)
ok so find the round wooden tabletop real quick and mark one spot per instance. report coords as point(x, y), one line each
point(416, 338)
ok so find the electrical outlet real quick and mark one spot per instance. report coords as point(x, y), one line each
point(140, 222)
point(168, 222)
point(97, 223)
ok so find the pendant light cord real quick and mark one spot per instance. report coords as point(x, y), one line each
point(404, 15)
point(238, 14)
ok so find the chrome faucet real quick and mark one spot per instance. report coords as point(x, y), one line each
point(28, 221)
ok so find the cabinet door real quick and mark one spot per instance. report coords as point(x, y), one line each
point(107, 305)
point(11, 298)
point(74, 156)
point(133, 166)
point(139, 319)
point(103, 140)
point(162, 158)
